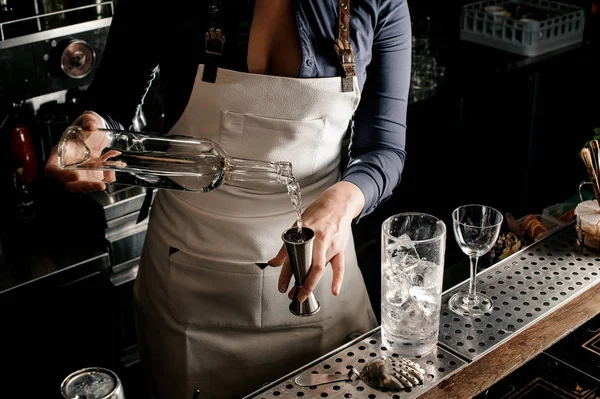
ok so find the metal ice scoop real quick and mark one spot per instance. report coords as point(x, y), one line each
point(380, 373)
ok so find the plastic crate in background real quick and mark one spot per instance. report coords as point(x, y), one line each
point(561, 25)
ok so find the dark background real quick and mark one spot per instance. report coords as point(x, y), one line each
point(501, 130)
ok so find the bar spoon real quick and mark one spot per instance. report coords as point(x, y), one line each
point(379, 373)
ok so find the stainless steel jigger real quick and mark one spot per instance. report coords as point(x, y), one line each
point(299, 247)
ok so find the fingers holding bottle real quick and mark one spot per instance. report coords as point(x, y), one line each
point(80, 180)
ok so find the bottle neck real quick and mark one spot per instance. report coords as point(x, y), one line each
point(248, 170)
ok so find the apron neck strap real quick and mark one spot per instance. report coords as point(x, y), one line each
point(343, 47)
point(214, 41)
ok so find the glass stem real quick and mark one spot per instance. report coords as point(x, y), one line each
point(472, 282)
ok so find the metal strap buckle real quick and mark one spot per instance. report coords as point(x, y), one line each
point(214, 41)
point(347, 57)
point(345, 54)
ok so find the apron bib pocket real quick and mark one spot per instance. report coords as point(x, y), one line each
point(270, 139)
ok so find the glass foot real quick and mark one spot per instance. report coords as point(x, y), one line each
point(462, 305)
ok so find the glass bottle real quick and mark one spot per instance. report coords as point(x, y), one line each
point(25, 171)
point(164, 161)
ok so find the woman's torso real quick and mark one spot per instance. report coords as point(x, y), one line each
point(182, 32)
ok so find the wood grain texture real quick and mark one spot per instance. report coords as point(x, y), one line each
point(513, 353)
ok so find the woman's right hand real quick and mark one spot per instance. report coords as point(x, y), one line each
point(79, 180)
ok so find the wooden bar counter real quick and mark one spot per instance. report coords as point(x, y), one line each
point(481, 374)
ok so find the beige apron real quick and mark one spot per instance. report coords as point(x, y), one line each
point(208, 317)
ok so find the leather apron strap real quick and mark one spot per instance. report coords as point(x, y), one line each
point(214, 41)
point(343, 47)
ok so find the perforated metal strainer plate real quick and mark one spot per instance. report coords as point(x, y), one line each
point(438, 365)
point(524, 288)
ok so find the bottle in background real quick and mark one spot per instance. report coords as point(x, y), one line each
point(24, 170)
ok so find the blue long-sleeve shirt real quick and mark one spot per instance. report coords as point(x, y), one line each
point(146, 34)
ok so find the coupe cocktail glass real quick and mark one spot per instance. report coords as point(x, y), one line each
point(476, 229)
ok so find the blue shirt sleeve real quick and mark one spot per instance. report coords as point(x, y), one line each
point(377, 143)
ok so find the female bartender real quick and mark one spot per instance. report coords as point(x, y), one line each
point(268, 80)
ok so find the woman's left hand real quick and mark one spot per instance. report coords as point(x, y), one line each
point(329, 216)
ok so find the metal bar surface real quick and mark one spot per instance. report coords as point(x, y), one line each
point(525, 287)
point(438, 365)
